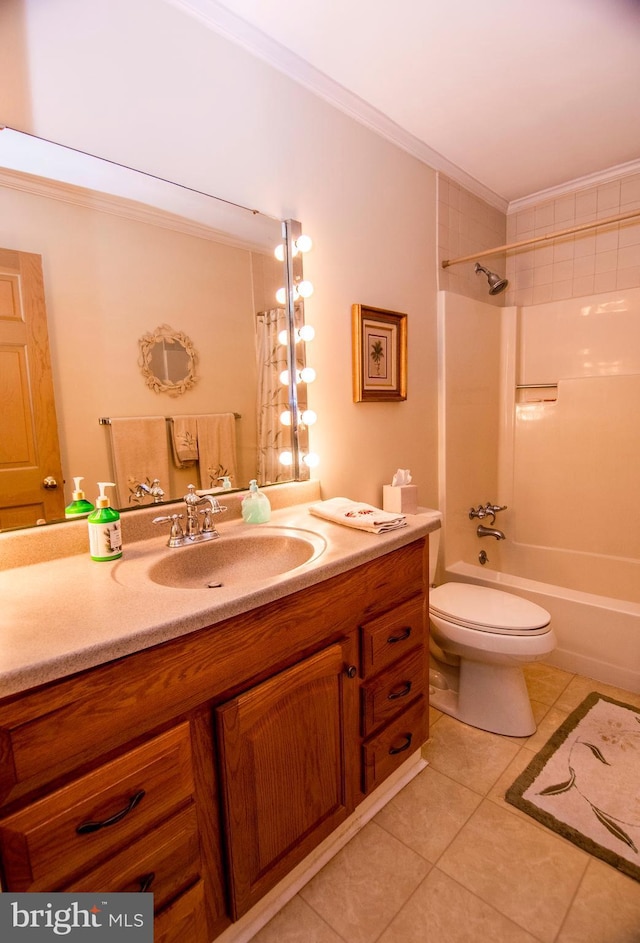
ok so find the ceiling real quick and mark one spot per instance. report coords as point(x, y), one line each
point(510, 97)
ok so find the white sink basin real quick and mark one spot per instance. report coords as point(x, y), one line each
point(235, 559)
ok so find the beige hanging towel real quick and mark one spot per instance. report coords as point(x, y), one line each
point(216, 449)
point(184, 440)
point(140, 454)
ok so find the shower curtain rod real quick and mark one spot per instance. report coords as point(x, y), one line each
point(551, 235)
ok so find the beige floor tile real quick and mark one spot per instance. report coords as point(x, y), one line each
point(294, 923)
point(606, 908)
point(579, 687)
point(497, 792)
point(472, 757)
point(361, 890)
point(442, 911)
point(545, 682)
point(428, 813)
point(525, 872)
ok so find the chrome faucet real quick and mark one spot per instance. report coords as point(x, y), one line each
point(489, 510)
point(490, 532)
point(143, 491)
point(195, 530)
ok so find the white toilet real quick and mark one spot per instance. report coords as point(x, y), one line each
point(480, 639)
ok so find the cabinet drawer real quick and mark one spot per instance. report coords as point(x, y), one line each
point(165, 863)
point(80, 823)
point(389, 637)
point(382, 754)
point(184, 919)
point(392, 691)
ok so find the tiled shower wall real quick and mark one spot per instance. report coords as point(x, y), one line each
point(466, 224)
point(598, 260)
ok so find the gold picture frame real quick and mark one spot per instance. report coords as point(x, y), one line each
point(379, 355)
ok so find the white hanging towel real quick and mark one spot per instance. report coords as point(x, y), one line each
point(140, 454)
point(216, 448)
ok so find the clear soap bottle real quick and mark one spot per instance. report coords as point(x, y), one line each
point(256, 508)
point(105, 536)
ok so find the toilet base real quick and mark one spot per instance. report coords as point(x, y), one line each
point(491, 697)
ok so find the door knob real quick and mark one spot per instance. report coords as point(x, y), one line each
point(50, 483)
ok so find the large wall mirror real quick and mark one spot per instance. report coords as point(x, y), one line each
point(99, 256)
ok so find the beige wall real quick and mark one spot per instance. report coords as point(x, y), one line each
point(146, 85)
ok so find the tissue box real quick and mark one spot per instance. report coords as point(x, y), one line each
point(400, 499)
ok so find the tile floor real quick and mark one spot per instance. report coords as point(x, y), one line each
point(449, 861)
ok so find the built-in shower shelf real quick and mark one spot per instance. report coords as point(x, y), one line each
point(536, 392)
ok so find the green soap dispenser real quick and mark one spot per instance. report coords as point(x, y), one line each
point(255, 505)
point(105, 536)
point(79, 507)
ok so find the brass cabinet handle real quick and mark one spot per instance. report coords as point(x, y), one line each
point(87, 827)
point(405, 746)
point(394, 695)
point(406, 632)
point(49, 483)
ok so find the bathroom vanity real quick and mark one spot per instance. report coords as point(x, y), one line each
point(210, 745)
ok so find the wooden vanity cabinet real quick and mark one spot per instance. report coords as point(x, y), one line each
point(213, 763)
point(286, 749)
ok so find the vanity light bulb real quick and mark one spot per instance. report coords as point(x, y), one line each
point(309, 417)
point(306, 332)
point(305, 289)
point(281, 296)
point(284, 378)
point(283, 338)
point(304, 243)
point(307, 375)
point(279, 253)
point(286, 458)
point(285, 418)
point(311, 459)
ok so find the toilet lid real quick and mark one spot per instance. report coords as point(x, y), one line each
point(481, 607)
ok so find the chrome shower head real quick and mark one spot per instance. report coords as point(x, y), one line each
point(496, 284)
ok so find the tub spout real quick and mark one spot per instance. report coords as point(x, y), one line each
point(490, 532)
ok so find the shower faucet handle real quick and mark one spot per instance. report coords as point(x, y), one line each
point(488, 510)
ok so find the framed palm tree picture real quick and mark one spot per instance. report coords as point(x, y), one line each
point(379, 355)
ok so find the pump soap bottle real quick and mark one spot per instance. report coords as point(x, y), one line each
point(79, 507)
point(105, 538)
point(255, 505)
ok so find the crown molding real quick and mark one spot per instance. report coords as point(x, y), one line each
point(599, 178)
point(217, 17)
point(118, 206)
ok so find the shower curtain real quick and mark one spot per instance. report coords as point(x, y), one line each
point(273, 396)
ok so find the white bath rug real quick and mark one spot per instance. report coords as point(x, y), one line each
point(585, 782)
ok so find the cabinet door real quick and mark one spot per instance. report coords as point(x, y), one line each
point(286, 746)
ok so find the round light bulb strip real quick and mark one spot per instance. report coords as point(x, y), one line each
point(302, 288)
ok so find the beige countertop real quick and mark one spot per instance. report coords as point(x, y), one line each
point(64, 615)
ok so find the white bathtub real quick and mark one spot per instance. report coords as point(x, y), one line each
point(598, 636)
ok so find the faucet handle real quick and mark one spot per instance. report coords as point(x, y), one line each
point(493, 509)
point(176, 534)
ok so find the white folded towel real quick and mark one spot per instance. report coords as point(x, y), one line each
point(358, 515)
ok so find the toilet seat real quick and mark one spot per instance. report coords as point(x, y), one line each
point(488, 610)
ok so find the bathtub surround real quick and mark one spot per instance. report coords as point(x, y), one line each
point(583, 784)
point(531, 396)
